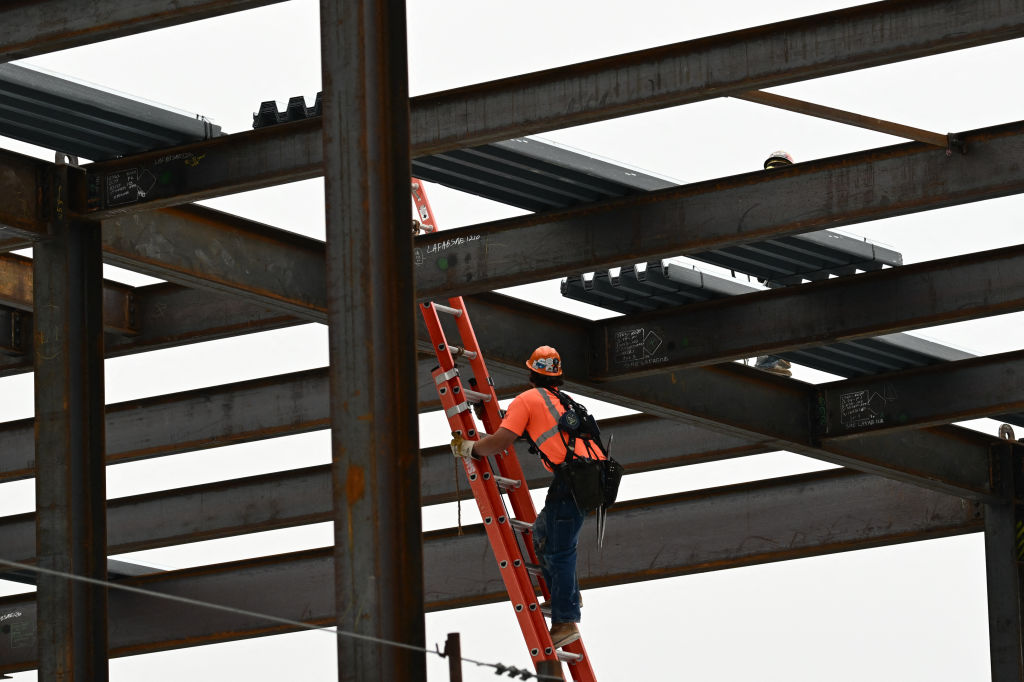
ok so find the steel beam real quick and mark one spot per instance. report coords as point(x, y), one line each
point(34, 28)
point(296, 403)
point(925, 396)
point(902, 179)
point(849, 118)
point(261, 408)
point(22, 201)
point(16, 292)
point(727, 527)
point(716, 66)
point(167, 316)
point(705, 216)
point(200, 247)
point(70, 474)
point(734, 399)
point(303, 496)
point(869, 304)
point(1004, 552)
point(202, 170)
point(378, 552)
point(788, 51)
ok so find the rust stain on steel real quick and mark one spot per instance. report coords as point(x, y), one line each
point(355, 484)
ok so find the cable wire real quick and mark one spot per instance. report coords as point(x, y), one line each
point(499, 668)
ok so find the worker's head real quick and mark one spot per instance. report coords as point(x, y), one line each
point(778, 159)
point(545, 367)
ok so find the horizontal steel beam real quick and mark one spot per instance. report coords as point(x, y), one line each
point(303, 496)
point(16, 292)
point(41, 26)
point(201, 170)
point(705, 216)
point(729, 63)
point(734, 399)
point(925, 396)
point(741, 525)
point(235, 413)
point(869, 304)
point(201, 247)
point(231, 254)
point(22, 196)
point(167, 316)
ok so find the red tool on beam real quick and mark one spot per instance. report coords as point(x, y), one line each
point(499, 487)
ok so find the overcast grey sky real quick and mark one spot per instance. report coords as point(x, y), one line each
point(910, 612)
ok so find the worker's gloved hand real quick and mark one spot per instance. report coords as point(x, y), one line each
point(462, 447)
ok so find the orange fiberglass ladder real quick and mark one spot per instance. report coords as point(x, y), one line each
point(509, 525)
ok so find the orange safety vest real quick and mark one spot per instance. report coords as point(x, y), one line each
point(536, 412)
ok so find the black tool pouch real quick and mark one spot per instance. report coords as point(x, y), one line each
point(585, 481)
point(611, 474)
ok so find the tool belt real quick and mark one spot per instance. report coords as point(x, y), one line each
point(593, 483)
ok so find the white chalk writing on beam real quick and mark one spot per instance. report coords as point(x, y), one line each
point(451, 243)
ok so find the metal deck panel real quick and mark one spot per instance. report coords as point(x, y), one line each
point(76, 119)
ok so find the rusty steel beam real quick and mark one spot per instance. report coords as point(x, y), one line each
point(70, 526)
point(167, 316)
point(742, 525)
point(716, 66)
point(1003, 571)
point(303, 496)
point(41, 26)
point(11, 241)
point(378, 551)
point(734, 399)
point(231, 254)
point(847, 117)
point(869, 304)
point(201, 247)
point(23, 190)
point(925, 396)
point(201, 170)
point(252, 410)
point(705, 216)
point(16, 292)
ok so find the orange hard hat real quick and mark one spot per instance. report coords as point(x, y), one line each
point(545, 360)
point(776, 159)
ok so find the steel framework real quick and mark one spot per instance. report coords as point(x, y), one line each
point(910, 474)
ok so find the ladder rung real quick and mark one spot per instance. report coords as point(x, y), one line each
point(568, 656)
point(476, 395)
point(445, 309)
point(521, 525)
point(534, 569)
point(509, 484)
point(461, 350)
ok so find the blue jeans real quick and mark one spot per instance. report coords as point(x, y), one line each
point(555, 535)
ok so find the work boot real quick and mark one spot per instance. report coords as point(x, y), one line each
point(564, 633)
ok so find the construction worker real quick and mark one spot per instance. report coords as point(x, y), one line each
point(556, 532)
point(773, 363)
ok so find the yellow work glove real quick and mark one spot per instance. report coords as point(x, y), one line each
point(462, 447)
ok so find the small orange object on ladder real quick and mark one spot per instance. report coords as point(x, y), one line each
point(509, 526)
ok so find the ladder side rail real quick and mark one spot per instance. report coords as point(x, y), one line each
point(507, 461)
point(497, 525)
point(423, 210)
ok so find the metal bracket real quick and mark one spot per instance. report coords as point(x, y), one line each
point(954, 142)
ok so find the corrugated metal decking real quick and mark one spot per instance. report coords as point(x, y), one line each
point(76, 119)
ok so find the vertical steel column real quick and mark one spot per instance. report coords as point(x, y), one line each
point(1004, 552)
point(71, 529)
point(378, 550)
